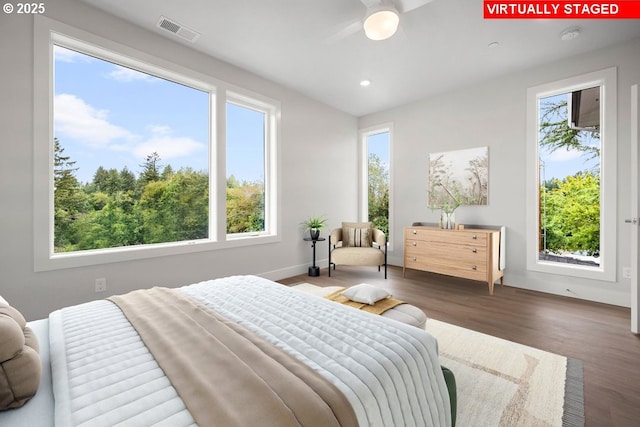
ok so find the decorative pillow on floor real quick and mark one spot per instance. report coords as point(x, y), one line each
point(365, 293)
point(20, 368)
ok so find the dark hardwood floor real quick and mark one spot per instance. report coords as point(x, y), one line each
point(598, 334)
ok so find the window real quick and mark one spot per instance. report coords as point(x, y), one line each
point(136, 164)
point(246, 138)
point(571, 188)
point(376, 148)
point(131, 154)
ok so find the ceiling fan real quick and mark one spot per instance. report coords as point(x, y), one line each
point(381, 20)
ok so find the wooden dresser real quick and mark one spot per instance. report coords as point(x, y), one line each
point(469, 253)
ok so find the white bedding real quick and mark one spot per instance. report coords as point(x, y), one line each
point(104, 375)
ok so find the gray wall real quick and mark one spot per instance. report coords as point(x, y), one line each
point(311, 135)
point(493, 114)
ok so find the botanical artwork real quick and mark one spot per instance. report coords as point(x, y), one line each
point(458, 178)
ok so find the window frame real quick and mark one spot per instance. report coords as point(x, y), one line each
point(607, 80)
point(363, 208)
point(48, 32)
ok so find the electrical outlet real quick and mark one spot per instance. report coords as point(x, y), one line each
point(101, 284)
point(626, 272)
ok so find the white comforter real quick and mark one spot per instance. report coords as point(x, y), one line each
point(389, 372)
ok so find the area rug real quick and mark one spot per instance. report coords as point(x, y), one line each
point(502, 383)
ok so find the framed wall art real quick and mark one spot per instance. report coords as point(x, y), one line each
point(458, 177)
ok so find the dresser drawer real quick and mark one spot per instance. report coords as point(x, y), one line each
point(457, 253)
point(459, 237)
point(462, 269)
point(472, 262)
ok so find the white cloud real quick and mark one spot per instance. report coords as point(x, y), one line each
point(563, 155)
point(169, 147)
point(126, 75)
point(76, 119)
point(159, 130)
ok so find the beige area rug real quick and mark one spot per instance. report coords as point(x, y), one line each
point(502, 383)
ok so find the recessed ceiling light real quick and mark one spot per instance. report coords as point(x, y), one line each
point(493, 45)
point(570, 33)
point(365, 83)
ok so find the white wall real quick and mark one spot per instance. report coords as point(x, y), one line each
point(493, 114)
point(318, 145)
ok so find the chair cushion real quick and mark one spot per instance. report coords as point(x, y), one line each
point(357, 256)
point(365, 293)
point(357, 234)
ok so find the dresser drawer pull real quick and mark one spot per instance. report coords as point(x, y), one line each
point(475, 267)
point(415, 231)
point(475, 237)
point(415, 243)
point(415, 259)
point(474, 250)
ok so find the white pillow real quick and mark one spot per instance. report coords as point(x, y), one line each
point(3, 301)
point(365, 293)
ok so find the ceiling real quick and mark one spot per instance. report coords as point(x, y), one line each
point(311, 47)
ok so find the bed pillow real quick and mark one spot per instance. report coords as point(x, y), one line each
point(357, 234)
point(365, 293)
point(20, 368)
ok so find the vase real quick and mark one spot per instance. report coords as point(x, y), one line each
point(448, 220)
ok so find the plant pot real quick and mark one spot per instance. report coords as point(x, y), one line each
point(314, 233)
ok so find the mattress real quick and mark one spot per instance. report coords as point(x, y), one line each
point(104, 375)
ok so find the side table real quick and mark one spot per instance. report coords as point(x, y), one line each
point(314, 270)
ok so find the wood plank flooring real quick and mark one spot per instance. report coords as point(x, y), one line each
point(598, 334)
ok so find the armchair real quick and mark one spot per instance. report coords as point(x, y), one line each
point(357, 243)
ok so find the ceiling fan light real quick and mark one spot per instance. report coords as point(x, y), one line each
point(381, 24)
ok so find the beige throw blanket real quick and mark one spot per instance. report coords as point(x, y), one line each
point(378, 308)
point(227, 375)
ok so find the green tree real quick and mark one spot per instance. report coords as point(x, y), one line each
point(572, 214)
point(556, 133)
point(245, 206)
point(176, 209)
point(114, 225)
point(378, 193)
point(150, 169)
point(69, 201)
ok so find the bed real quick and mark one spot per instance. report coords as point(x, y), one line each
point(352, 367)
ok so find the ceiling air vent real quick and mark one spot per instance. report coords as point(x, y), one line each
point(178, 29)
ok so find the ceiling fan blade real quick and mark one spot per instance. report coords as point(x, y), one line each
point(408, 5)
point(371, 3)
point(344, 31)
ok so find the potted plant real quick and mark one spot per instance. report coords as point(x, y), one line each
point(314, 225)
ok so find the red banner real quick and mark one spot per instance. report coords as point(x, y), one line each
point(625, 9)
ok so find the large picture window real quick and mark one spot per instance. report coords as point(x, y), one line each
point(133, 163)
point(131, 154)
point(571, 204)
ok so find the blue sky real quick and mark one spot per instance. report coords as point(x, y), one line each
point(378, 144)
point(110, 116)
